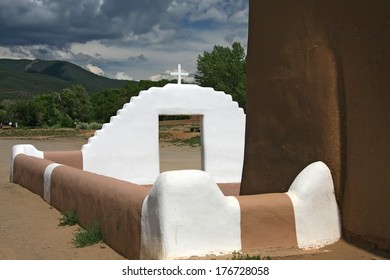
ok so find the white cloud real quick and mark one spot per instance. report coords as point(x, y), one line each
point(167, 76)
point(158, 36)
point(211, 14)
point(95, 69)
point(240, 16)
point(122, 76)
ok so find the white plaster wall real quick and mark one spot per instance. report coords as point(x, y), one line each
point(186, 214)
point(127, 148)
point(317, 218)
point(47, 181)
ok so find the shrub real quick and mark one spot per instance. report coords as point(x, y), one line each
point(69, 219)
point(82, 126)
point(83, 238)
point(95, 125)
point(194, 141)
point(240, 256)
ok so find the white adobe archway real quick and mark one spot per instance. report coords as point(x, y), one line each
point(127, 148)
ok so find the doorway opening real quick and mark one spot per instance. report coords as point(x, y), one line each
point(180, 142)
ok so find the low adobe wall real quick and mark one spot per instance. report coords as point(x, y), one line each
point(277, 226)
point(185, 213)
point(28, 171)
point(114, 204)
point(69, 158)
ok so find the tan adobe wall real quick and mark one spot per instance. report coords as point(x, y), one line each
point(267, 221)
point(114, 204)
point(69, 158)
point(318, 89)
point(29, 172)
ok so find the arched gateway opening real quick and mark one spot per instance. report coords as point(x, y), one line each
point(127, 148)
point(180, 142)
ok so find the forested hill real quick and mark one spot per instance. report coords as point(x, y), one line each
point(25, 78)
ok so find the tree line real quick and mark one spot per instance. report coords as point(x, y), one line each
point(71, 106)
point(223, 69)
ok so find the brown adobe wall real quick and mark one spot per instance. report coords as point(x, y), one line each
point(69, 158)
point(29, 172)
point(267, 221)
point(292, 102)
point(318, 89)
point(116, 205)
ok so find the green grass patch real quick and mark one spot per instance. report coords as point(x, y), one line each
point(90, 236)
point(50, 132)
point(240, 256)
point(193, 142)
point(69, 219)
point(165, 135)
point(171, 127)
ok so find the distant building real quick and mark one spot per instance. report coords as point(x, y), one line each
point(8, 125)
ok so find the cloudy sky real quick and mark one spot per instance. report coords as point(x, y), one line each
point(124, 39)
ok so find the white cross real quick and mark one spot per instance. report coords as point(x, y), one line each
point(179, 74)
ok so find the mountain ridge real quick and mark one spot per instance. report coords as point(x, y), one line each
point(25, 78)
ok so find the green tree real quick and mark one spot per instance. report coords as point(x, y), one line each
point(7, 110)
point(26, 113)
point(48, 114)
point(3, 113)
point(75, 103)
point(107, 103)
point(61, 109)
point(224, 69)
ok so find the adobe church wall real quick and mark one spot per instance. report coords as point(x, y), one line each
point(318, 89)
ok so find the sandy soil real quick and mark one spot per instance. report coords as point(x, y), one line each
point(29, 226)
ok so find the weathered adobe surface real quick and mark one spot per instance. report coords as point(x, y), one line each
point(318, 89)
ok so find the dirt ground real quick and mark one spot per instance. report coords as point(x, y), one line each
point(29, 226)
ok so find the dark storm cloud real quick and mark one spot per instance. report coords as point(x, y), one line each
point(59, 22)
point(139, 16)
point(130, 37)
point(139, 58)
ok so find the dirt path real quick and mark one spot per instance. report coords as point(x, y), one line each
point(29, 226)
